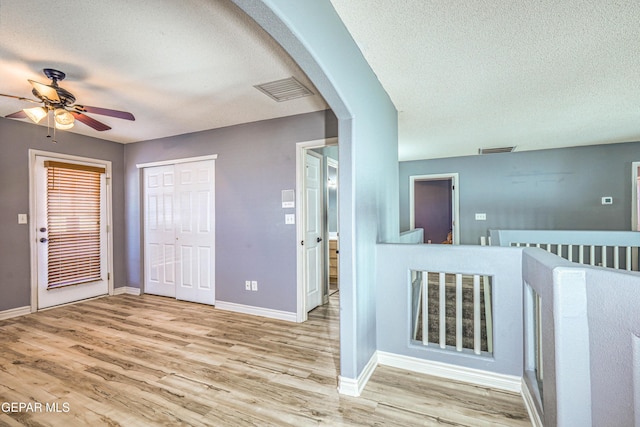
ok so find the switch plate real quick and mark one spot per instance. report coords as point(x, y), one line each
point(481, 217)
point(254, 285)
point(290, 219)
point(247, 285)
point(607, 200)
point(22, 218)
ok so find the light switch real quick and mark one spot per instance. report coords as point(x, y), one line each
point(481, 217)
point(607, 200)
point(290, 219)
point(22, 218)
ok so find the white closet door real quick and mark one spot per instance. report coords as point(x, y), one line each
point(159, 231)
point(195, 232)
point(179, 231)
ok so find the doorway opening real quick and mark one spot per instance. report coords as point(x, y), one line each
point(317, 223)
point(433, 206)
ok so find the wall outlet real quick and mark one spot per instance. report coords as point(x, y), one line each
point(607, 200)
point(254, 285)
point(22, 218)
point(247, 285)
point(481, 217)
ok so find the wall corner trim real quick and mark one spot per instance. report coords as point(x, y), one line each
point(257, 311)
point(15, 312)
point(129, 290)
point(354, 386)
point(529, 403)
point(457, 373)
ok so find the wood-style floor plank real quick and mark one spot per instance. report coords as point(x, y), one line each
point(145, 361)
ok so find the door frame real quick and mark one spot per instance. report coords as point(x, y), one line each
point(301, 148)
point(635, 185)
point(32, 215)
point(335, 164)
point(455, 200)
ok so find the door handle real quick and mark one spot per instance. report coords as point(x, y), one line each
point(302, 242)
point(43, 240)
point(319, 239)
point(43, 229)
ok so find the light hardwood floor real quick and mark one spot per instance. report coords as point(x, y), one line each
point(146, 361)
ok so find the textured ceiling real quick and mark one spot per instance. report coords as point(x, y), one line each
point(489, 73)
point(178, 66)
point(463, 75)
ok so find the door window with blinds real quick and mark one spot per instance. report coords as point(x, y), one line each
point(71, 230)
point(73, 223)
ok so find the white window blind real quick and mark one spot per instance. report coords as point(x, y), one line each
point(73, 223)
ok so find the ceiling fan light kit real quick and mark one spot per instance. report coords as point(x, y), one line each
point(62, 103)
point(36, 113)
point(63, 118)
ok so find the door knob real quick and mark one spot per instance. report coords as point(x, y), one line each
point(319, 239)
point(42, 229)
point(43, 240)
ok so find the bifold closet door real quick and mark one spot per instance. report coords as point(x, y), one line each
point(180, 231)
point(195, 231)
point(159, 231)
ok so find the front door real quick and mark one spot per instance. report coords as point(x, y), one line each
point(71, 230)
point(313, 229)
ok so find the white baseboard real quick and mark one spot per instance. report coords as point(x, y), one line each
point(529, 403)
point(354, 386)
point(257, 311)
point(129, 290)
point(15, 312)
point(452, 372)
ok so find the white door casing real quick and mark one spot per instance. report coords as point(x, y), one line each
point(313, 226)
point(45, 297)
point(179, 230)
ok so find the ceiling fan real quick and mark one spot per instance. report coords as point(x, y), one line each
point(62, 103)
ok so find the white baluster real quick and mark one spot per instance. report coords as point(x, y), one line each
point(425, 307)
point(581, 254)
point(616, 257)
point(628, 263)
point(570, 252)
point(592, 255)
point(604, 256)
point(459, 312)
point(477, 324)
point(443, 308)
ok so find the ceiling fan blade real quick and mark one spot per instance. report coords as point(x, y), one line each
point(21, 98)
point(48, 92)
point(105, 112)
point(99, 126)
point(17, 115)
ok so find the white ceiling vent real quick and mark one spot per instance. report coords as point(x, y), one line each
point(496, 150)
point(284, 90)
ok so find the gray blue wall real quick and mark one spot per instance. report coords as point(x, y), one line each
point(17, 138)
point(256, 161)
point(547, 189)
